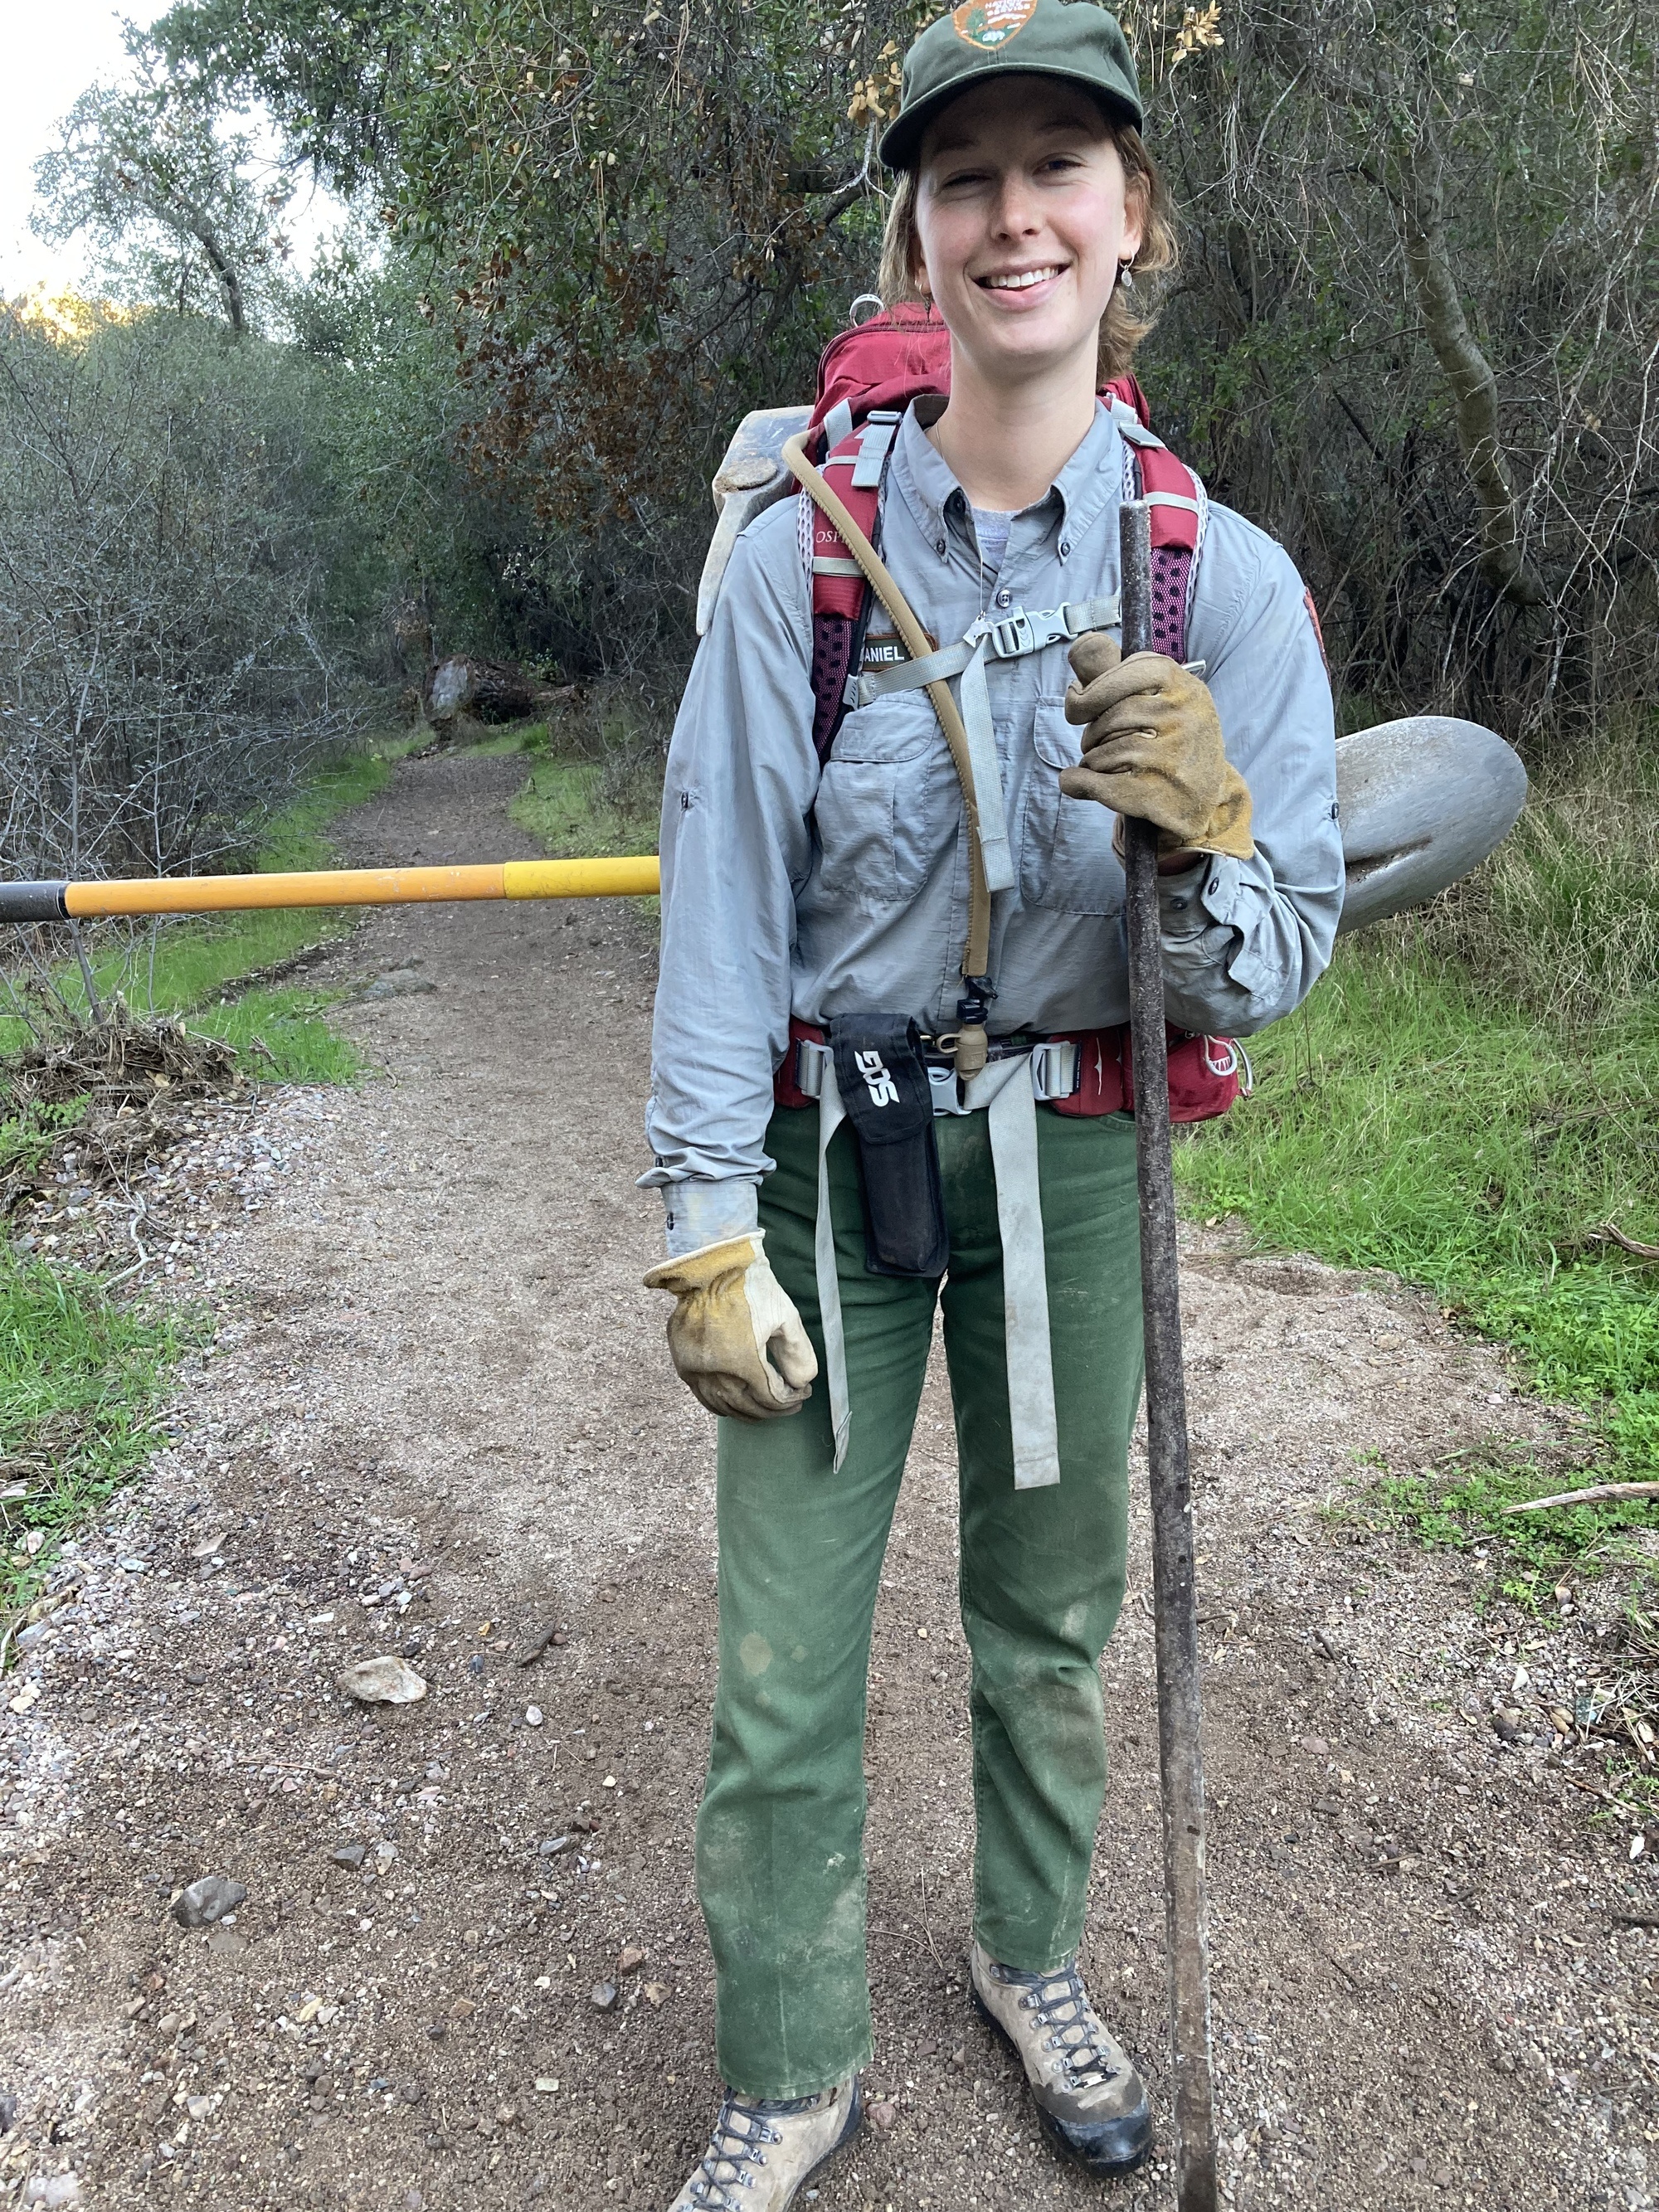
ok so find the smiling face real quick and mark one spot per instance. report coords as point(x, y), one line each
point(1022, 220)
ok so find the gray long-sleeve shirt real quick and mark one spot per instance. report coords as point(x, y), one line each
point(788, 890)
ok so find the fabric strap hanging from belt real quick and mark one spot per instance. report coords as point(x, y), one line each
point(1004, 1090)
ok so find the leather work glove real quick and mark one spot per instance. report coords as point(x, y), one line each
point(1152, 748)
point(735, 1338)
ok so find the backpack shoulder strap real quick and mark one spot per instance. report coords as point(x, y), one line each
point(974, 1005)
point(1180, 514)
point(841, 591)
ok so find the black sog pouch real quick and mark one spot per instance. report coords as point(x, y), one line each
point(884, 1088)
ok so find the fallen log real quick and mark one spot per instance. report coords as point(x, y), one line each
point(488, 691)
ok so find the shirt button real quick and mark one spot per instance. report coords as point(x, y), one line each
point(1214, 886)
point(1065, 548)
point(1005, 598)
point(939, 545)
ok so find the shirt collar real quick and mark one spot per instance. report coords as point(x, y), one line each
point(1091, 477)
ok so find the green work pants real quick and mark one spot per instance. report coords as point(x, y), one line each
point(780, 1837)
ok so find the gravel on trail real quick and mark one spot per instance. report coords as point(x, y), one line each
point(436, 1423)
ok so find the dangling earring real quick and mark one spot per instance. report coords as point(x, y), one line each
point(1126, 276)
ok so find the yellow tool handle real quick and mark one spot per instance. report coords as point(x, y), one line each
point(633, 877)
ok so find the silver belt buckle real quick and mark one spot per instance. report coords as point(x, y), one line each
point(1055, 1069)
point(947, 1097)
point(810, 1059)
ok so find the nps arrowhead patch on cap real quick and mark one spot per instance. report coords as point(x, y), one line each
point(988, 24)
point(1070, 38)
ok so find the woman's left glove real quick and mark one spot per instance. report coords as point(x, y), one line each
point(1152, 749)
point(734, 1335)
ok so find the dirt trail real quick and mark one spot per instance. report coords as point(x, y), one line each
point(437, 1416)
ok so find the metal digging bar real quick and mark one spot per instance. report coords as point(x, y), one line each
point(1180, 1703)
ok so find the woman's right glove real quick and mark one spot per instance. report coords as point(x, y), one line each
point(734, 1335)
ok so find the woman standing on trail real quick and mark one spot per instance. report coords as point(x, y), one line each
point(814, 907)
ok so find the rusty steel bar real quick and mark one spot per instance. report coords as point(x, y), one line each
point(1179, 1700)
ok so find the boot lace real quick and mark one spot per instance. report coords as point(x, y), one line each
point(1060, 2002)
point(735, 2148)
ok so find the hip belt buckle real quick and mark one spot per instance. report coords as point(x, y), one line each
point(810, 1062)
point(947, 1091)
point(1056, 1069)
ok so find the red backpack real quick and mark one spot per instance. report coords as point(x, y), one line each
point(868, 376)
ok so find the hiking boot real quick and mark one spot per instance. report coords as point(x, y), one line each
point(1089, 2100)
point(763, 2151)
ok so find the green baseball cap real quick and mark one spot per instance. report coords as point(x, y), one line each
point(991, 37)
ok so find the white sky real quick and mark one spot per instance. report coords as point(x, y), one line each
point(53, 50)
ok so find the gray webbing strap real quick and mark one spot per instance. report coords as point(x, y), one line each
point(831, 1115)
point(1003, 1092)
point(1130, 428)
point(1004, 1088)
point(873, 451)
point(1009, 639)
point(995, 856)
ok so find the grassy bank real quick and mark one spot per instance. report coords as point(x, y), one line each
point(1467, 1099)
point(81, 1379)
point(191, 968)
point(81, 1373)
point(594, 787)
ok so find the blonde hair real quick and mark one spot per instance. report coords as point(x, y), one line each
point(1129, 316)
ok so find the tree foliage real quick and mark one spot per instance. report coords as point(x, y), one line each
point(1414, 333)
point(172, 632)
point(179, 205)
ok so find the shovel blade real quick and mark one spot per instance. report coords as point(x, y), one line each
point(1423, 801)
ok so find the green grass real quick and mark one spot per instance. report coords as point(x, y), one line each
point(187, 966)
point(81, 1378)
point(1464, 1507)
point(595, 786)
point(81, 1373)
point(1464, 1100)
point(567, 807)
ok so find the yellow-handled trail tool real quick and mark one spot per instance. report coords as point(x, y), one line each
point(499, 879)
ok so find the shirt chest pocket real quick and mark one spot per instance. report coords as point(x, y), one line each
point(881, 815)
point(1066, 860)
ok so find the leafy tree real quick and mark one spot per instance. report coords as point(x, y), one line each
point(324, 68)
point(430, 550)
point(147, 170)
point(174, 644)
point(1413, 334)
point(635, 224)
